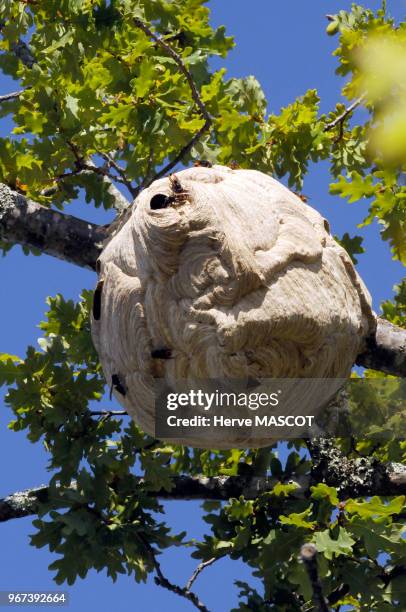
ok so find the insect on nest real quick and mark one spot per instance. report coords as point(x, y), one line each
point(180, 194)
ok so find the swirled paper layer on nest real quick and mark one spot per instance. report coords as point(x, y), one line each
point(234, 277)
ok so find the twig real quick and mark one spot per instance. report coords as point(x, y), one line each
point(120, 171)
point(11, 96)
point(146, 181)
point(177, 58)
point(308, 554)
point(82, 166)
point(341, 118)
point(166, 169)
point(86, 165)
point(195, 95)
point(120, 201)
point(109, 413)
point(161, 580)
point(198, 570)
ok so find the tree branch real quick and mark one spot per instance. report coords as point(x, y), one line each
point(341, 118)
point(166, 169)
point(122, 177)
point(161, 580)
point(84, 166)
point(52, 232)
point(199, 570)
point(385, 350)
point(109, 413)
point(308, 554)
point(23, 503)
point(363, 476)
point(11, 96)
point(195, 95)
point(352, 478)
point(120, 202)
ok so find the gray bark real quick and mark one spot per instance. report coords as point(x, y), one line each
point(386, 350)
point(361, 477)
point(63, 236)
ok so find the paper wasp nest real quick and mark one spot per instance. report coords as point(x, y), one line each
point(224, 273)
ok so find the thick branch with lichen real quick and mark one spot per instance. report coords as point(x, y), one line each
point(352, 477)
point(362, 476)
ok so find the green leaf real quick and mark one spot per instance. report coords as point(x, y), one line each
point(8, 368)
point(379, 537)
point(298, 519)
point(72, 105)
point(355, 187)
point(334, 547)
point(284, 490)
point(239, 509)
point(321, 491)
point(376, 507)
point(353, 245)
point(143, 82)
point(395, 311)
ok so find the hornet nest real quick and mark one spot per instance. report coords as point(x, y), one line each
point(224, 273)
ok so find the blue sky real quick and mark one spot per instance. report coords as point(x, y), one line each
point(283, 43)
